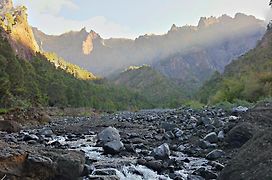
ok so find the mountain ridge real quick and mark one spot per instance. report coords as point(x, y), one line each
point(217, 42)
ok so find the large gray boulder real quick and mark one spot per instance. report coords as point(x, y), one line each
point(107, 135)
point(161, 152)
point(113, 147)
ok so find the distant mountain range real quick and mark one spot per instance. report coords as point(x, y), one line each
point(188, 54)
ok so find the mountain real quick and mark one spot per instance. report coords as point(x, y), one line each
point(152, 84)
point(247, 78)
point(16, 29)
point(30, 77)
point(188, 54)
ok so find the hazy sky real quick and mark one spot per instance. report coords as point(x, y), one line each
point(131, 18)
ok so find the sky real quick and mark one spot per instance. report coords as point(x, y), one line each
point(131, 18)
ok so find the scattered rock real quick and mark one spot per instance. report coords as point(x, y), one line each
point(211, 137)
point(215, 154)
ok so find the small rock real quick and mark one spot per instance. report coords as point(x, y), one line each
point(215, 154)
point(221, 135)
point(177, 132)
point(47, 132)
point(239, 109)
point(28, 137)
point(211, 137)
point(205, 144)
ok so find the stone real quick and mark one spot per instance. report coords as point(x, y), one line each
point(113, 147)
point(10, 126)
point(211, 137)
point(177, 132)
point(28, 137)
point(161, 152)
point(168, 126)
point(239, 135)
point(215, 154)
point(47, 132)
point(107, 135)
point(239, 109)
point(221, 135)
point(205, 144)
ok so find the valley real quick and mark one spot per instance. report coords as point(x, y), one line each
point(193, 103)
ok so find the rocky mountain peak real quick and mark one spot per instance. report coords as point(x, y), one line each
point(174, 28)
point(17, 30)
point(206, 22)
point(88, 44)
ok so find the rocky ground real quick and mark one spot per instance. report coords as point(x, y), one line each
point(158, 144)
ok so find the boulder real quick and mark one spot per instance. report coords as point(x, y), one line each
point(27, 162)
point(107, 135)
point(211, 137)
point(205, 144)
point(113, 147)
point(239, 135)
point(215, 154)
point(10, 126)
point(29, 137)
point(161, 152)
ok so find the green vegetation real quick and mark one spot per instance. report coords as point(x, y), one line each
point(75, 70)
point(249, 78)
point(153, 85)
point(38, 82)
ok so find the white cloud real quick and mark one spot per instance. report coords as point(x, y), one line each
point(48, 6)
point(52, 24)
point(45, 14)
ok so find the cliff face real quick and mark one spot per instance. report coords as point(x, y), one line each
point(220, 39)
point(16, 29)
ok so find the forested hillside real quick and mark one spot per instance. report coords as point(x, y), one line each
point(152, 84)
point(248, 78)
point(39, 82)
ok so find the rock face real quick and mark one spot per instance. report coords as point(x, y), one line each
point(253, 160)
point(6, 5)
point(17, 30)
point(19, 163)
point(239, 135)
